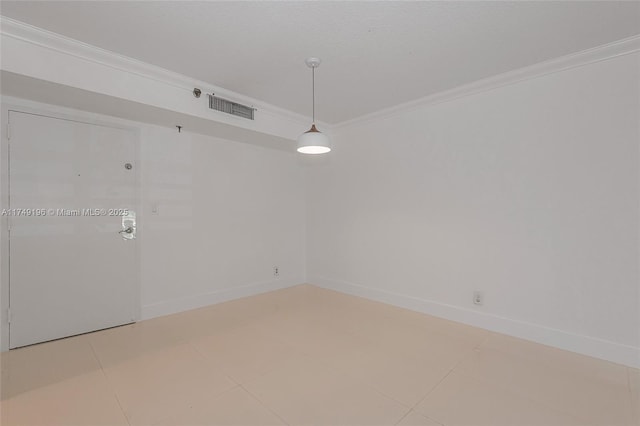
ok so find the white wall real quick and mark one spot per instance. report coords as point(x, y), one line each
point(527, 192)
point(228, 212)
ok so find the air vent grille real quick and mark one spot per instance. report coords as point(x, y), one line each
point(233, 108)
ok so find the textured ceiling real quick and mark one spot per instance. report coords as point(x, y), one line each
point(375, 54)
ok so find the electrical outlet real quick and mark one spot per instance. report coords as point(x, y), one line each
point(478, 298)
point(276, 271)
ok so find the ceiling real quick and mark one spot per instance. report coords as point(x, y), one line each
point(375, 54)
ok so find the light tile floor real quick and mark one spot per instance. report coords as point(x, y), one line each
point(303, 356)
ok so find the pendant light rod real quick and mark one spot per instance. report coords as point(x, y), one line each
point(313, 141)
point(313, 63)
point(313, 95)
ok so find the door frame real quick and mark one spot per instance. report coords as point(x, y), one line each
point(10, 104)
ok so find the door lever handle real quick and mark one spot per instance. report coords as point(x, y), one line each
point(128, 231)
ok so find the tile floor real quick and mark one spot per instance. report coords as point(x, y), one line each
point(304, 356)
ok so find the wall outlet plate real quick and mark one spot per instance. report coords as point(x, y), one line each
point(478, 298)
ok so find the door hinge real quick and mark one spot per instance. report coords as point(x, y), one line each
point(9, 315)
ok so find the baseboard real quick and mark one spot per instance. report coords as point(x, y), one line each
point(198, 301)
point(590, 346)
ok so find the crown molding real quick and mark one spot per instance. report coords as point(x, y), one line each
point(28, 33)
point(600, 53)
point(56, 42)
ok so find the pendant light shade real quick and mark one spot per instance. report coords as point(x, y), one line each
point(313, 141)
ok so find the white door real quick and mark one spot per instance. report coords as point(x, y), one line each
point(71, 193)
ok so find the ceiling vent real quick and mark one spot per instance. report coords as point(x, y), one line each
point(233, 108)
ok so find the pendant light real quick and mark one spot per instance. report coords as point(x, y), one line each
point(313, 141)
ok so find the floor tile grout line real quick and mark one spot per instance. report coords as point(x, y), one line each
point(358, 381)
point(264, 404)
point(288, 345)
point(207, 360)
point(104, 373)
point(631, 408)
point(179, 342)
point(506, 389)
point(195, 401)
point(403, 417)
point(432, 390)
point(483, 342)
point(432, 419)
point(422, 415)
point(355, 380)
point(95, 355)
point(465, 356)
point(122, 409)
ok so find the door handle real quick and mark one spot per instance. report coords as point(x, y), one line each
point(128, 231)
